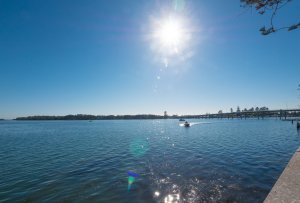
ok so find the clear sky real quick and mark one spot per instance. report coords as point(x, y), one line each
point(102, 57)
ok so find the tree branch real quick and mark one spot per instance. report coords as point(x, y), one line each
point(274, 5)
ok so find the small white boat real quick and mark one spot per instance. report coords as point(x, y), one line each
point(186, 124)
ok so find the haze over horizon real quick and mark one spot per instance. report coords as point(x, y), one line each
point(116, 58)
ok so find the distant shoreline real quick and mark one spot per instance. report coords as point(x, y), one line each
point(286, 114)
point(93, 117)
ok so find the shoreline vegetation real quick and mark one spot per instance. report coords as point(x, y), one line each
point(92, 117)
point(282, 114)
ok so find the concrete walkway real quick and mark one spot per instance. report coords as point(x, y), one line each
point(287, 187)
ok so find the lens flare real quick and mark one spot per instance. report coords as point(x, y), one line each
point(131, 178)
point(138, 147)
point(178, 5)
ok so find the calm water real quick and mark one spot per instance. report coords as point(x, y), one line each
point(81, 161)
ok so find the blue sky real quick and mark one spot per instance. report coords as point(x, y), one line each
point(96, 57)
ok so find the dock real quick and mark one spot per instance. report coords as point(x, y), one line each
point(287, 187)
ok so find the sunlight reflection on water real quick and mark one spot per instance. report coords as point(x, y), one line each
point(77, 161)
point(172, 198)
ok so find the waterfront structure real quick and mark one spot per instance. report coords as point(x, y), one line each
point(287, 187)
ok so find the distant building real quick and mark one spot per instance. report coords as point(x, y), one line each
point(165, 114)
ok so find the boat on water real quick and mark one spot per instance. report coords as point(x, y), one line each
point(181, 119)
point(186, 124)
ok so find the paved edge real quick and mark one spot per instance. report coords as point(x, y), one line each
point(287, 187)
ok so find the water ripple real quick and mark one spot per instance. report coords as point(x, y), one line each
point(79, 161)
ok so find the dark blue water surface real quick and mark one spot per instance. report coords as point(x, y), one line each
point(81, 161)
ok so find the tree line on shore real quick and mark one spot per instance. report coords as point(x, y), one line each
point(260, 113)
point(238, 110)
point(92, 117)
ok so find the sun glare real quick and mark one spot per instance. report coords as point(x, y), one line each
point(171, 38)
point(170, 33)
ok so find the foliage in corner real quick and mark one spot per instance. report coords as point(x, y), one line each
point(263, 6)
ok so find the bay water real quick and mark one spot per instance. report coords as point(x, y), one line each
point(82, 161)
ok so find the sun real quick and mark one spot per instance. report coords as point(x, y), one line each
point(170, 33)
point(170, 38)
